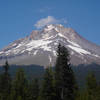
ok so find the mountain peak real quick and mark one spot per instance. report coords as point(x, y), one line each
point(61, 31)
point(52, 26)
point(41, 45)
point(58, 27)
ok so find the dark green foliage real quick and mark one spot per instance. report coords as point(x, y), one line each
point(31, 71)
point(91, 85)
point(92, 90)
point(19, 86)
point(81, 72)
point(5, 83)
point(19, 98)
point(6, 67)
point(33, 90)
point(36, 71)
point(97, 96)
point(58, 84)
point(47, 90)
point(91, 82)
point(64, 77)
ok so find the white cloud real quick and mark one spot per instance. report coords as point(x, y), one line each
point(45, 21)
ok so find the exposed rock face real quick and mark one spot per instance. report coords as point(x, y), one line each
point(40, 47)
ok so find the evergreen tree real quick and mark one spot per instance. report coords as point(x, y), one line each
point(5, 82)
point(33, 90)
point(6, 67)
point(47, 90)
point(91, 85)
point(64, 77)
point(19, 86)
point(19, 98)
point(98, 92)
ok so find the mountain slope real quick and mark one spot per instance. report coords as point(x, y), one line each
point(41, 45)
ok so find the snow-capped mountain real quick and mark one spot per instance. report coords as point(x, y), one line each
point(41, 45)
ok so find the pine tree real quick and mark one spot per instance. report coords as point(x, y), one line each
point(98, 92)
point(33, 90)
point(64, 77)
point(5, 82)
point(19, 98)
point(91, 85)
point(19, 86)
point(47, 90)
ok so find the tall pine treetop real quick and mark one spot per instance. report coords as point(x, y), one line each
point(64, 77)
point(6, 66)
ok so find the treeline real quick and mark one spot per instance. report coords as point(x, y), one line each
point(58, 84)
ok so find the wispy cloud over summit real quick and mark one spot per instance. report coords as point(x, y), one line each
point(45, 21)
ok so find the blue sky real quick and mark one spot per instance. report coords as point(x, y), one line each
point(19, 17)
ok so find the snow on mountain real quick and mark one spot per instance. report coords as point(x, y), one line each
point(41, 45)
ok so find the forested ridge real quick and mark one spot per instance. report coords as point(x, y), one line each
point(56, 84)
